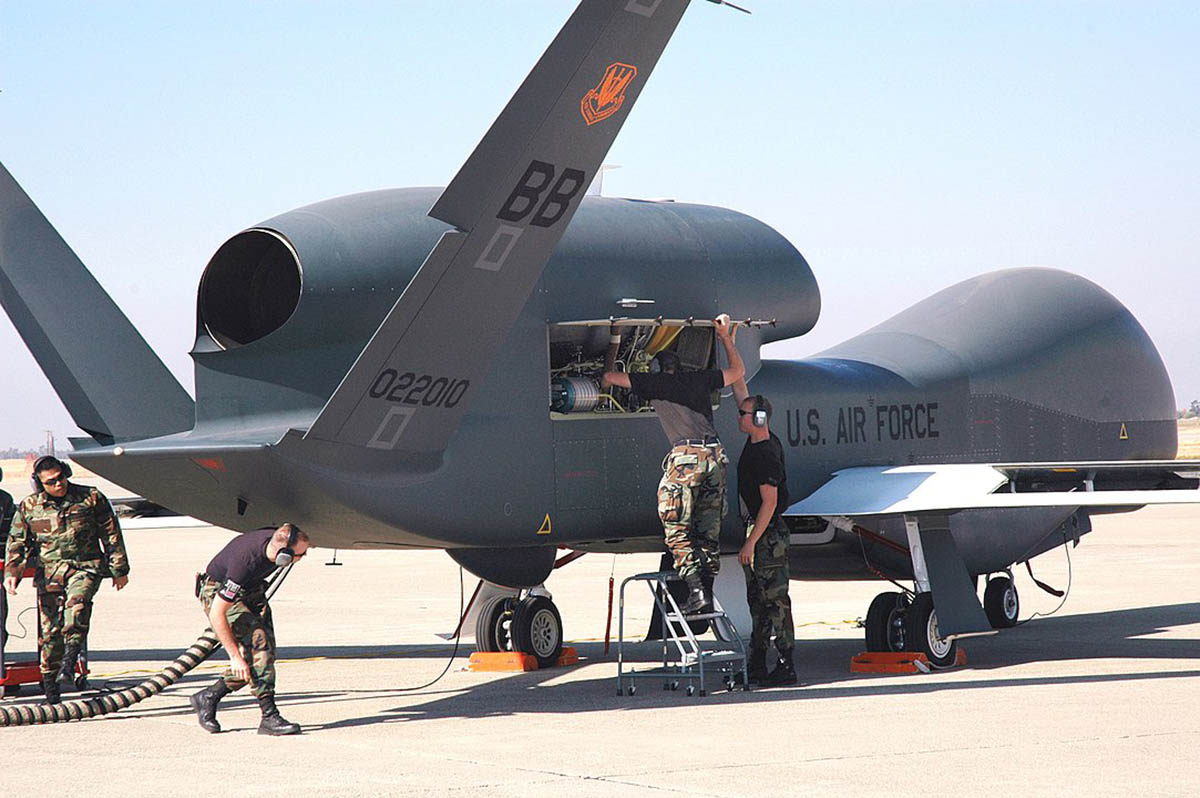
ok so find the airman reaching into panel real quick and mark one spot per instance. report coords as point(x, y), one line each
point(691, 493)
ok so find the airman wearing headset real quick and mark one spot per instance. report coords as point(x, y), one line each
point(762, 486)
point(72, 534)
point(233, 592)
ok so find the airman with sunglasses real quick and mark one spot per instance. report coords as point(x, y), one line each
point(71, 534)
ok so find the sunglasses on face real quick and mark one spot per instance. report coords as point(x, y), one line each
point(58, 480)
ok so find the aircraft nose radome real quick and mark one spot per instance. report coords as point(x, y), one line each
point(1034, 341)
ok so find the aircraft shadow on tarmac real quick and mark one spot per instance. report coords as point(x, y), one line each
point(1120, 634)
point(823, 666)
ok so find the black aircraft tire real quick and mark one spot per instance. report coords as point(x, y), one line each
point(885, 623)
point(493, 624)
point(537, 630)
point(1001, 603)
point(921, 627)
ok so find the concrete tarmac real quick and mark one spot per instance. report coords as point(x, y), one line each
point(1101, 698)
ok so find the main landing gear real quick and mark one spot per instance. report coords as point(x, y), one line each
point(906, 622)
point(896, 622)
point(529, 624)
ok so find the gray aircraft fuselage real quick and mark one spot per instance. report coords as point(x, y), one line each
point(1014, 366)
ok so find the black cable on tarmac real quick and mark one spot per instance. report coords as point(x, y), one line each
point(31, 714)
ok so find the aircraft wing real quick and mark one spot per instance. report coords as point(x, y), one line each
point(916, 489)
point(510, 204)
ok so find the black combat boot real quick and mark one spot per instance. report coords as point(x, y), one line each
point(66, 674)
point(784, 673)
point(757, 667)
point(50, 688)
point(272, 722)
point(699, 599)
point(205, 704)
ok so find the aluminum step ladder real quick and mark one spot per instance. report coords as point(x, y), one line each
point(694, 662)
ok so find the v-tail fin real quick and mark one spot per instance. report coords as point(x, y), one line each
point(111, 381)
point(510, 204)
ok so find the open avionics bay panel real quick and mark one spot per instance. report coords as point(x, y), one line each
point(577, 360)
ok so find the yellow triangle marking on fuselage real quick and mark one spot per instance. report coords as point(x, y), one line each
point(546, 527)
point(1124, 434)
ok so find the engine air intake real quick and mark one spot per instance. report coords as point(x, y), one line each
point(249, 288)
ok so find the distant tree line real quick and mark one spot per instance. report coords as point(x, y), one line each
point(21, 454)
point(1192, 411)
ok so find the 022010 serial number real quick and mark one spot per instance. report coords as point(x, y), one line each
point(426, 390)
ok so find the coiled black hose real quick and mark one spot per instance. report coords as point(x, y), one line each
point(31, 714)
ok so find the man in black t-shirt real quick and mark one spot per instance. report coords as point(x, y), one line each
point(691, 493)
point(762, 487)
point(232, 590)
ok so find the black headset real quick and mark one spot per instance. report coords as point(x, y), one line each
point(287, 555)
point(762, 411)
point(47, 462)
point(665, 361)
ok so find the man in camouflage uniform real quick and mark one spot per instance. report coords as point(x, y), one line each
point(71, 534)
point(691, 493)
point(233, 592)
point(762, 487)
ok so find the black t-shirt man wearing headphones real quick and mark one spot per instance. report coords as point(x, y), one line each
point(232, 591)
point(691, 493)
point(762, 487)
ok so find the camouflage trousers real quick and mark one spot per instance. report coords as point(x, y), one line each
point(767, 593)
point(691, 504)
point(250, 620)
point(65, 617)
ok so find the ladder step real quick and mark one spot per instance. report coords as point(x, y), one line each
point(700, 616)
point(710, 656)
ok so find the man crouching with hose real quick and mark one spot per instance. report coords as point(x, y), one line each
point(233, 591)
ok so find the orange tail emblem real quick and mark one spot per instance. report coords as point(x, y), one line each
point(606, 99)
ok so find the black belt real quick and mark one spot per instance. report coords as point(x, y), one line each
point(707, 440)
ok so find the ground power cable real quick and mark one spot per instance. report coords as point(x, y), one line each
point(1065, 594)
point(457, 639)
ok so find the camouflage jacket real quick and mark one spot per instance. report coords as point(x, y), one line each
point(77, 532)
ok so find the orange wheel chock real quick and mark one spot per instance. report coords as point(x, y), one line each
point(897, 662)
point(502, 661)
point(515, 660)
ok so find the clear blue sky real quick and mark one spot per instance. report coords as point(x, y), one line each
point(901, 146)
